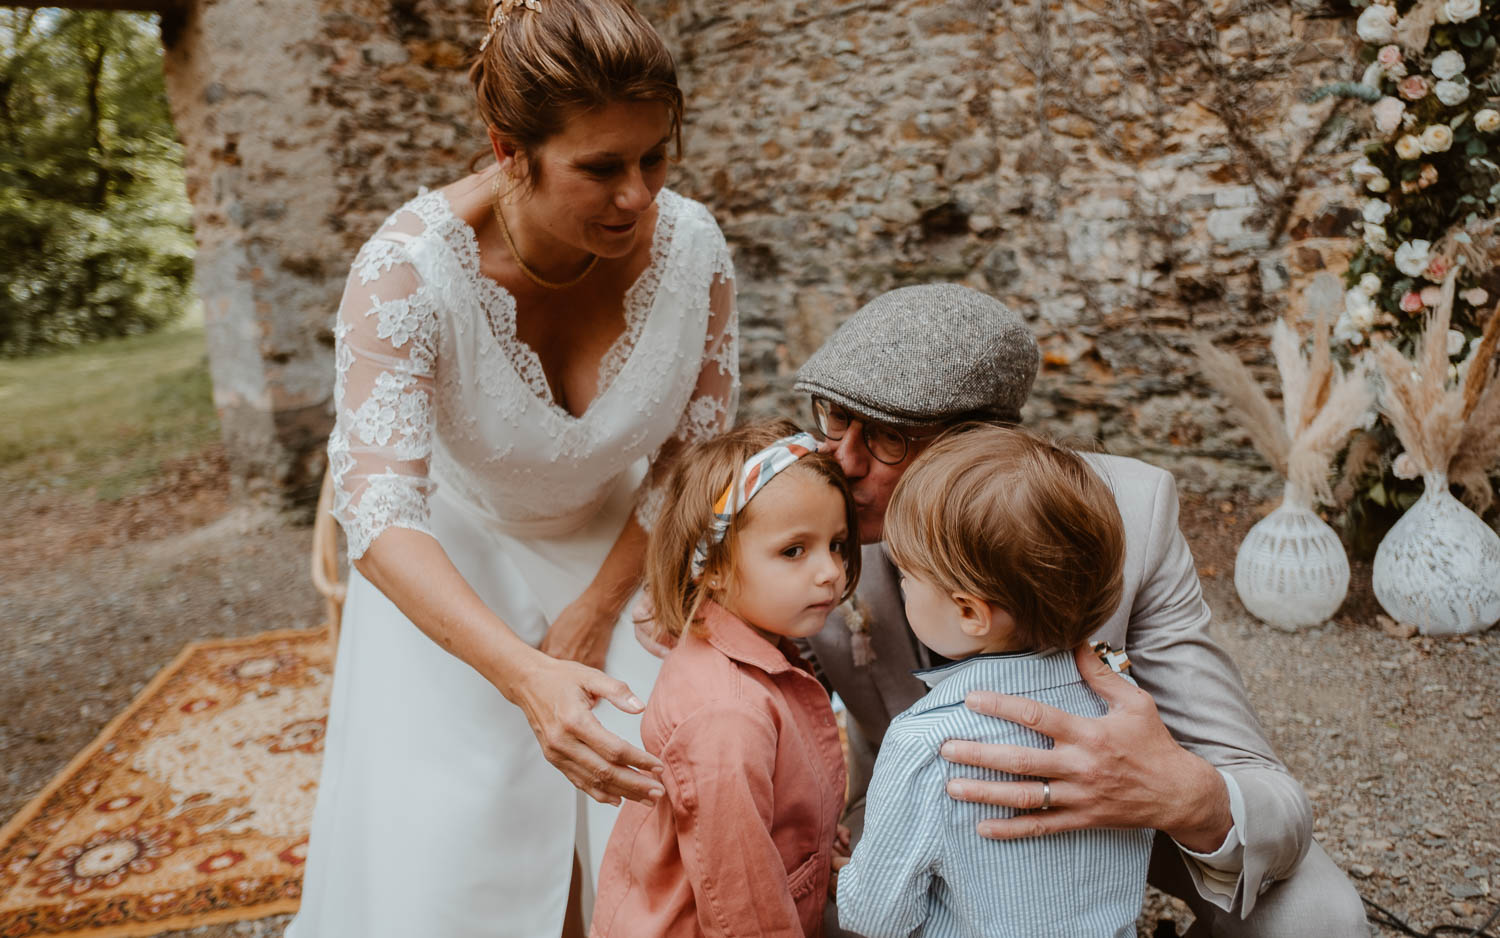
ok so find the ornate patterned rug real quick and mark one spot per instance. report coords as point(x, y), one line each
point(191, 808)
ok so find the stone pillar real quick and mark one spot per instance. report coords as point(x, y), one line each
point(304, 123)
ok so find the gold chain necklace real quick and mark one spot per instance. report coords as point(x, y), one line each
point(531, 274)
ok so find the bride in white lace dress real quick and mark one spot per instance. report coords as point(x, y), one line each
point(513, 375)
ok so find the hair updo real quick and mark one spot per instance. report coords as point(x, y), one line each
point(540, 67)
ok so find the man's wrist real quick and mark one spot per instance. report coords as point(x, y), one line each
point(1206, 818)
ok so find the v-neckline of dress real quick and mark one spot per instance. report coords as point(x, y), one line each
point(499, 306)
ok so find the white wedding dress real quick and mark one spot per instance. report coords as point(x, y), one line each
point(437, 816)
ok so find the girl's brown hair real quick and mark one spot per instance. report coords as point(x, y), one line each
point(1017, 521)
point(701, 473)
point(542, 66)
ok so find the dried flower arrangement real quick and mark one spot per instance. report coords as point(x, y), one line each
point(1439, 567)
point(1291, 570)
point(1446, 417)
point(1321, 402)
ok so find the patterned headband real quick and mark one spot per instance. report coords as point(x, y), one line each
point(757, 472)
point(500, 11)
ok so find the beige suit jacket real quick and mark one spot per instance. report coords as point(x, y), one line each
point(1162, 623)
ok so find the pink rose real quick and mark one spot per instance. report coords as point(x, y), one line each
point(1413, 88)
point(1388, 56)
point(1437, 268)
point(1411, 302)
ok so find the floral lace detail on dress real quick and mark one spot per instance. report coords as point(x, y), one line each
point(433, 383)
point(384, 355)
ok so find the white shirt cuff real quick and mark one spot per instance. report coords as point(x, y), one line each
point(1221, 869)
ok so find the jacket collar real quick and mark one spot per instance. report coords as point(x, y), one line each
point(1009, 673)
point(732, 636)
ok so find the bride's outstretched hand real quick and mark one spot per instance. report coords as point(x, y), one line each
point(558, 698)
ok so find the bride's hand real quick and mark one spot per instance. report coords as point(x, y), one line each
point(581, 632)
point(558, 698)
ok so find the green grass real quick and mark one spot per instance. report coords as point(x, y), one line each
point(106, 416)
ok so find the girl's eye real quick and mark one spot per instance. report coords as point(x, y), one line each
point(654, 159)
point(838, 547)
point(793, 552)
point(600, 172)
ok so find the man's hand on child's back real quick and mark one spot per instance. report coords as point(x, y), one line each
point(1121, 770)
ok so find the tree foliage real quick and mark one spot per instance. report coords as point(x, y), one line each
point(95, 227)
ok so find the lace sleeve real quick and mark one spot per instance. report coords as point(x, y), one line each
point(710, 410)
point(384, 354)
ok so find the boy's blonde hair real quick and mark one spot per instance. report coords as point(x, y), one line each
point(701, 473)
point(1017, 521)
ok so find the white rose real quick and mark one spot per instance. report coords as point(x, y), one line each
point(1411, 257)
point(1452, 92)
point(1387, 112)
point(1378, 23)
point(1376, 211)
point(1458, 11)
point(1378, 185)
point(1408, 147)
point(1456, 342)
point(1375, 236)
point(1359, 309)
point(1474, 296)
point(1437, 138)
point(1346, 332)
point(1487, 120)
point(1369, 285)
point(1448, 64)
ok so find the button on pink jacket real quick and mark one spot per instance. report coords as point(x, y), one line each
point(742, 843)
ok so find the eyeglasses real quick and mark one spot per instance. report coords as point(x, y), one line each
point(887, 444)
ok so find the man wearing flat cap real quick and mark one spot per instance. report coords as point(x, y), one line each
point(1183, 753)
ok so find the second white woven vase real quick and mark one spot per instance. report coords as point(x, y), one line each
point(1439, 567)
point(1291, 570)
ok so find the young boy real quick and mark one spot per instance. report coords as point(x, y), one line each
point(1010, 550)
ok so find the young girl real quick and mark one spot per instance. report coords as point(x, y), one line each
point(756, 547)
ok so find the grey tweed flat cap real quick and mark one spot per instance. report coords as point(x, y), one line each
point(927, 354)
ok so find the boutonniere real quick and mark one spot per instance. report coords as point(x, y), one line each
point(857, 620)
point(1117, 660)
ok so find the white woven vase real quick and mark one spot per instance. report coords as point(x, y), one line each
point(1439, 567)
point(1291, 570)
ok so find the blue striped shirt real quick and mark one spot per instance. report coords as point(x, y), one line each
point(921, 869)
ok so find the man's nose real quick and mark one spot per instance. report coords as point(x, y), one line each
point(850, 451)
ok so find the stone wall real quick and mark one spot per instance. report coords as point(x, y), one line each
point(1127, 174)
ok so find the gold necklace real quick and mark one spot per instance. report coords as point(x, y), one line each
point(531, 274)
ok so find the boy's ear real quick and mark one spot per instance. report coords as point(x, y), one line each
point(975, 616)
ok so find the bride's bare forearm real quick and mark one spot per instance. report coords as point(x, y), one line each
point(620, 574)
point(414, 572)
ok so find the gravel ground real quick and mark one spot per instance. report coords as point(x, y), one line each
point(1393, 736)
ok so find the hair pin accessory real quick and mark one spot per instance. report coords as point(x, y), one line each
point(757, 472)
point(500, 11)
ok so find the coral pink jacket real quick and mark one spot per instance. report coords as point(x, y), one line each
point(742, 843)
